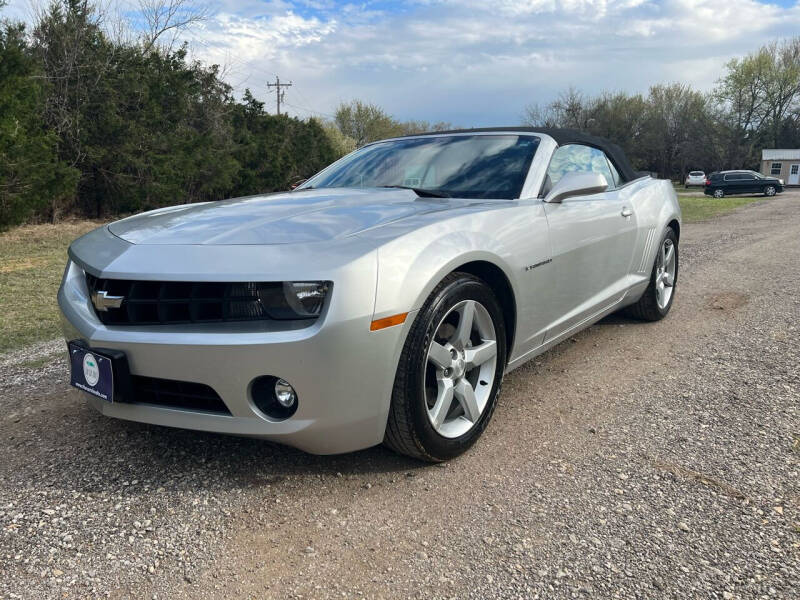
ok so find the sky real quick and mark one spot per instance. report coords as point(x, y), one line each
point(469, 62)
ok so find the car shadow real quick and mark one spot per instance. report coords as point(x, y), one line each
point(72, 447)
point(616, 319)
point(63, 443)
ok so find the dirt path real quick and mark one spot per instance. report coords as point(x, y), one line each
point(635, 460)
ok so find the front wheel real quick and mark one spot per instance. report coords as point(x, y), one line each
point(450, 372)
point(657, 298)
point(769, 190)
point(719, 193)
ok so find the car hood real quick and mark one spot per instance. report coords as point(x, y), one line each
point(283, 218)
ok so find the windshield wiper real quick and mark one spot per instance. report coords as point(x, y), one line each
point(419, 191)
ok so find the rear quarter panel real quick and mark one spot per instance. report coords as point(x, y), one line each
point(655, 204)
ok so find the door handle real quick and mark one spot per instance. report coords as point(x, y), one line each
point(626, 212)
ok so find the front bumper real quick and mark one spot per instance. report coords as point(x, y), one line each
point(343, 373)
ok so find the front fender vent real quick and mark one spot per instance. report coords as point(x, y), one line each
point(644, 264)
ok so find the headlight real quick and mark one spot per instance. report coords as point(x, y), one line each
point(294, 299)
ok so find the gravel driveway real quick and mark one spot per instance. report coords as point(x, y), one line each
point(633, 461)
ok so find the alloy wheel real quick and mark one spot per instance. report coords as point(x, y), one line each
point(665, 273)
point(769, 191)
point(719, 194)
point(460, 368)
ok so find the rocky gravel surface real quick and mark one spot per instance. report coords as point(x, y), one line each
point(632, 461)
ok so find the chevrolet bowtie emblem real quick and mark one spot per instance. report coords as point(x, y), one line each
point(102, 301)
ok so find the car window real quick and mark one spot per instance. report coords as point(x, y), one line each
point(579, 158)
point(462, 166)
point(734, 177)
point(615, 174)
point(696, 173)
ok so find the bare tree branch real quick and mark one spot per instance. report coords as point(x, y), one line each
point(168, 17)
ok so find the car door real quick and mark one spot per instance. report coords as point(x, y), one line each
point(751, 184)
point(592, 239)
point(736, 183)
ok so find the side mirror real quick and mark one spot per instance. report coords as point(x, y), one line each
point(577, 184)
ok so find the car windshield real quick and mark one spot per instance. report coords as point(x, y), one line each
point(462, 166)
point(696, 173)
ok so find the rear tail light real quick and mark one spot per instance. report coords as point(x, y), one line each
point(708, 182)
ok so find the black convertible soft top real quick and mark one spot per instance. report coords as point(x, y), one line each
point(562, 137)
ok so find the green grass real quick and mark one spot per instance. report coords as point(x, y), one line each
point(700, 208)
point(32, 260)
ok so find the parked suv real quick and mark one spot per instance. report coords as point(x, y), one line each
point(695, 178)
point(727, 183)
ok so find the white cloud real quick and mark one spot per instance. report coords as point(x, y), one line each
point(477, 62)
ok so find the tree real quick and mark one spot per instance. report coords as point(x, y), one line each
point(274, 151)
point(168, 18)
point(340, 143)
point(365, 122)
point(781, 85)
point(668, 131)
point(32, 178)
point(572, 109)
point(144, 126)
point(679, 130)
point(759, 96)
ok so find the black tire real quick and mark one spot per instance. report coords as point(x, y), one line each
point(647, 308)
point(770, 190)
point(408, 430)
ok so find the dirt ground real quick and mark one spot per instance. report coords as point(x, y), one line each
point(633, 461)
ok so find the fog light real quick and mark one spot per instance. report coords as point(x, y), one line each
point(284, 393)
point(274, 397)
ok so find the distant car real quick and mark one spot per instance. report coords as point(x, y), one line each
point(695, 178)
point(381, 300)
point(729, 183)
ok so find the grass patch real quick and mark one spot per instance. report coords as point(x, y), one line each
point(37, 363)
point(32, 260)
point(700, 208)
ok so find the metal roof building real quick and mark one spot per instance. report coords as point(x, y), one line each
point(782, 163)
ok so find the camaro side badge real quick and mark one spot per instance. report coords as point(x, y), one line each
point(539, 264)
point(102, 301)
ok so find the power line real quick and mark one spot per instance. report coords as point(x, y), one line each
point(311, 110)
point(235, 65)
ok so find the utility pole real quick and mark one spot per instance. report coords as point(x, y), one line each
point(278, 92)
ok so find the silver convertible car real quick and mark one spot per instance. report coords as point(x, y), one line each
point(382, 300)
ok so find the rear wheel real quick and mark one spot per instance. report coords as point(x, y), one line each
point(450, 372)
point(718, 193)
point(769, 190)
point(657, 298)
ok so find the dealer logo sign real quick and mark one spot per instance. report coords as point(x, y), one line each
point(91, 371)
